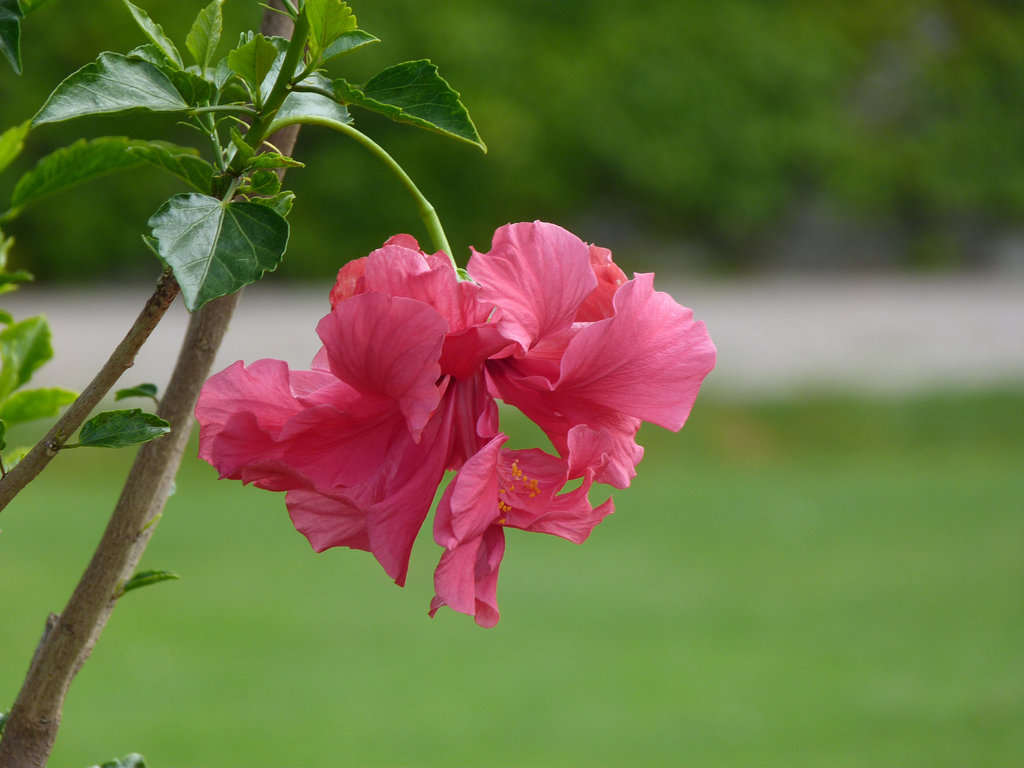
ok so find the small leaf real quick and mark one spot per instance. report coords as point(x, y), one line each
point(128, 761)
point(204, 36)
point(215, 247)
point(347, 43)
point(155, 33)
point(145, 578)
point(117, 429)
point(12, 141)
point(24, 347)
point(262, 182)
point(253, 61)
point(281, 202)
point(300, 107)
point(6, 318)
point(328, 20)
point(32, 404)
point(416, 94)
point(194, 89)
point(10, 32)
point(183, 162)
point(273, 160)
point(141, 390)
point(112, 83)
point(152, 54)
point(65, 167)
point(3, 444)
point(241, 146)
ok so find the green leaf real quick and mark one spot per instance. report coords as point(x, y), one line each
point(128, 761)
point(194, 89)
point(241, 146)
point(328, 20)
point(155, 33)
point(117, 429)
point(3, 444)
point(152, 54)
point(32, 404)
point(299, 107)
point(24, 347)
point(215, 247)
point(253, 61)
point(262, 182)
point(203, 38)
point(112, 83)
point(347, 43)
point(281, 202)
point(183, 162)
point(145, 578)
point(141, 390)
point(12, 141)
point(10, 32)
point(6, 318)
point(416, 94)
point(30, 5)
point(65, 167)
point(272, 160)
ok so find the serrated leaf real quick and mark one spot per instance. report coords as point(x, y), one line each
point(117, 429)
point(414, 93)
point(24, 347)
point(328, 20)
point(215, 247)
point(253, 61)
point(32, 404)
point(65, 167)
point(183, 162)
point(348, 42)
point(203, 38)
point(112, 83)
point(141, 390)
point(10, 32)
point(155, 33)
point(272, 160)
point(194, 89)
point(262, 182)
point(145, 578)
point(299, 107)
point(281, 202)
point(12, 141)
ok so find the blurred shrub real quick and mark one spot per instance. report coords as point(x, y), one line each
point(671, 122)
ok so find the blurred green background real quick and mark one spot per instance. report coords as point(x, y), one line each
point(725, 135)
point(814, 581)
point(834, 582)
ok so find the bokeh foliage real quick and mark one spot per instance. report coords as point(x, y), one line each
point(652, 125)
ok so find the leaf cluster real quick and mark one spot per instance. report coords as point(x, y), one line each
point(231, 227)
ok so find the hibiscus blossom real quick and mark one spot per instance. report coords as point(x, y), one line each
point(404, 390)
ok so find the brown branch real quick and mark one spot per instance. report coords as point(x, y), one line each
point(122, 358)
point(33, 722)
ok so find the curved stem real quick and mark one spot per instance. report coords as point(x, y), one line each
point(423, 206)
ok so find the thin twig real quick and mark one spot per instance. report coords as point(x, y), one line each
point(123, 357)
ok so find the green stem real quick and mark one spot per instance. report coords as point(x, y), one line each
point(259, 129)
point(239, 108)
point(423, 206)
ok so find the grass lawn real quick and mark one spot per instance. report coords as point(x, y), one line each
point(820, 582)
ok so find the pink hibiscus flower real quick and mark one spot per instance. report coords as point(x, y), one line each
point(404, 389)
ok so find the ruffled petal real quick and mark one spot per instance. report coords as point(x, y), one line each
point(609, 279)
point(539, 274)
point(647, 361)
point(466, 578)
point(387, 347)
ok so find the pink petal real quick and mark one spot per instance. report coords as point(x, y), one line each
point(647, 361)
point(387, 347)
point(466, 578)
point(470, 502)
point(328, 519)
point(539, 274)
point(609, 279)
point(350, 281)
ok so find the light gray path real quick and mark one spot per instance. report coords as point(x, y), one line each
point(774, 336)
